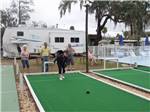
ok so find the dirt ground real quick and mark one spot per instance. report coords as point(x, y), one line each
point(26, 101)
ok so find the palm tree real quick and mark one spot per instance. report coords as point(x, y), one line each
point(65, 5)
point(99, 7)
point(102, 10)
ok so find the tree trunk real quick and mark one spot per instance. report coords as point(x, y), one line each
point(139, 30)
point(99, 36)
point(1, 47)
point(19, 13)
point(131, 28)
point(100, 28)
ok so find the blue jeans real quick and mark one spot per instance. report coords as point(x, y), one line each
point(61, 68)
point(25, 63)
point(44, 59)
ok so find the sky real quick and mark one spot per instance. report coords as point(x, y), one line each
point(47, 11)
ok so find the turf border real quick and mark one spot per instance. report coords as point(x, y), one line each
point(112, 68)
point(141, 70)
point(41, 109)
point(41, 73)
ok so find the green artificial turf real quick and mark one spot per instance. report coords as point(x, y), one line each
point(144, 68)
point(69, 95)
point(132, 76)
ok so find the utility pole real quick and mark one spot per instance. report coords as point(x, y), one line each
point(86, 34)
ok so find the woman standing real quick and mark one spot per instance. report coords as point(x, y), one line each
point(61, 59)
point(25, 57)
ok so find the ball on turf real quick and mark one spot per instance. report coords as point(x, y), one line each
point(87, 92)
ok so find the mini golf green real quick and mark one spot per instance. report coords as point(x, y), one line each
point(144, 68)
point(133, 76)
point(70, 95)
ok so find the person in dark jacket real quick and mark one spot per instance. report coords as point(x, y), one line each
point(19, 49)
point(61, 63)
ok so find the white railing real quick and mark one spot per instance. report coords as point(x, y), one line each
point(123, 54)
point(112, 51)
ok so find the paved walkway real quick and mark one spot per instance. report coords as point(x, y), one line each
point(9, 97)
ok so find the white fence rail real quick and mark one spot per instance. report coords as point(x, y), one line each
point(123, 54)
point(119, 51)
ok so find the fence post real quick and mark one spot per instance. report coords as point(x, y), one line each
point(104, 57)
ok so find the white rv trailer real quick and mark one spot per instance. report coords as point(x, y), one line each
point(35, 37)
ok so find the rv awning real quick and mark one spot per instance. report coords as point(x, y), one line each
point(19, 42)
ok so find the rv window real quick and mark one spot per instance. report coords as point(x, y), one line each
point(59, 39)
point(56, 39)
point(74, 40)
point(20, 33)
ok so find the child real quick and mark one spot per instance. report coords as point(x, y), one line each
point(91, 57)
point(61, 63)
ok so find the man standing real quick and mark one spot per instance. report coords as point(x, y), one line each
point(70, 53)
point(45, 51)
point(18, 49)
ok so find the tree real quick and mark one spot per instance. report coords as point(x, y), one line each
point(7, 19)
point(9, 16)
point(65, 5)
point(135, 15)
point(102, 10)
point(44, 25)
point(112, 41)
point(39, 24)
point(72, 28)
point(35, 24)
point(126, 34)
point(132, 13)
point(14, 15)
point(117, 36)
point(21, 9)
point(104, 30)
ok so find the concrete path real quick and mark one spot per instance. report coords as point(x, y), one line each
point(9, 97)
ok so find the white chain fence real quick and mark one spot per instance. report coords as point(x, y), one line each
point(124, 54)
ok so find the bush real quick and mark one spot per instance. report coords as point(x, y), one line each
point(112, 41)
